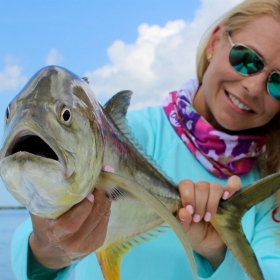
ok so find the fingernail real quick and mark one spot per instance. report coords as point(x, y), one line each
point(196, 218)
point(90, 197)
point(107, 168)
point(181, 219)
point(225, 195)
point(190, 209)
point(207, 217)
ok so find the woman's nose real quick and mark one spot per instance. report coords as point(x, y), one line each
point(256, 84)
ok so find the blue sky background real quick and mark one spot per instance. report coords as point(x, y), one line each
point(80, 30)
point(146, 46)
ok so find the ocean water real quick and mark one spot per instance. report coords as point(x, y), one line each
point(9, 221)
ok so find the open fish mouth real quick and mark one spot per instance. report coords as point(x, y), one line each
point(27, 141)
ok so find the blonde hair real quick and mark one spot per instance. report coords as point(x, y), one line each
point(232, 21)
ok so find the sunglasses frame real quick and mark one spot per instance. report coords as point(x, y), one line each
point(246, 75)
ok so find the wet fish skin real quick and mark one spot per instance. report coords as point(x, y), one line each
point(48, 181)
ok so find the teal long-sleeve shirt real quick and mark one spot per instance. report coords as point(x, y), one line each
point(163, 257)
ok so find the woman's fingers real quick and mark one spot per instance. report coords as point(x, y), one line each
point(185, 219)
point(71, 221)
point(95, 239)
point(57, 242)
point(233, 184)
point(187, 192)
point(202, 190)
point(215, 194)
point(201, 199)
point(75, 234)
point(93, 232)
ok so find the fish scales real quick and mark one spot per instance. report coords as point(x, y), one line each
point(57, 140)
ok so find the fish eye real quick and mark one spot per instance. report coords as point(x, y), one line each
point(66, 116)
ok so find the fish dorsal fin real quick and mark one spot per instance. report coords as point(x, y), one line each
point(116, 108)
point(110, 258)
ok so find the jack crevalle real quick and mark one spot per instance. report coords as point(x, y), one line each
point(57, 141)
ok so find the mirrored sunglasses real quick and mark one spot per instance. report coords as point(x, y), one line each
point(246, 62)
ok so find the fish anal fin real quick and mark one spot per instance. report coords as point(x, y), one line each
point(110, 259)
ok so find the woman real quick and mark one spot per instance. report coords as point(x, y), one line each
point(238, 96)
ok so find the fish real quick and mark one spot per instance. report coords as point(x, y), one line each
point(59, 144)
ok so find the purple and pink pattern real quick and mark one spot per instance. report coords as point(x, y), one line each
point(222, 154)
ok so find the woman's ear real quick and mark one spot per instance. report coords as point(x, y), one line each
point(214, 40)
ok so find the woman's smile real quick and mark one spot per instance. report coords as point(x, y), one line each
point(238, 103)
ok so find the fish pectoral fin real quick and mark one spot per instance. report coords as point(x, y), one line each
point(138, 192)
point(110, 259)
point(113, 188)
point(232, 234)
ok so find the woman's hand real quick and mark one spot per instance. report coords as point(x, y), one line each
point(74, 235)
point(200, 202)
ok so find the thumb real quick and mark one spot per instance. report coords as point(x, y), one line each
point(185, 219)
point(233, 184)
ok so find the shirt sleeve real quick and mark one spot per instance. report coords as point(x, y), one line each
point(36, 271)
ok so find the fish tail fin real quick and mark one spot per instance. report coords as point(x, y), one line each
point(227, 221)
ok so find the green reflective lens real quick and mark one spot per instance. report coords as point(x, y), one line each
point(244, 60)
point(273, 85)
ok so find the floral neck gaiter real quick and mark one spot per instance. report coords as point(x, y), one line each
point(222, 154)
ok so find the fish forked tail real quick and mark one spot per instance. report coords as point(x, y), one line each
point(227, 221)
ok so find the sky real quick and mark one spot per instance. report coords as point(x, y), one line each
point(147, 46)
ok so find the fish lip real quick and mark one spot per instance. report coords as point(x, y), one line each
point(22, 132)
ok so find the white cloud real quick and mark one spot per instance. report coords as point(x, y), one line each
point(11, 77)
point(160, 60)
point(53, 58)
point(10, 59)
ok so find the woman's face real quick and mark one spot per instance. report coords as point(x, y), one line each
point(230, 101)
